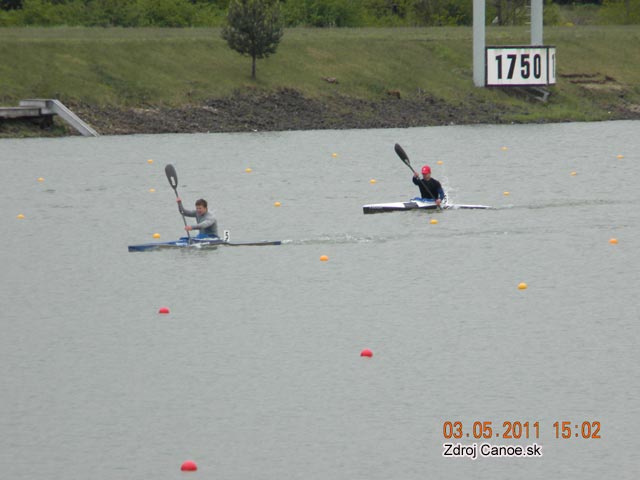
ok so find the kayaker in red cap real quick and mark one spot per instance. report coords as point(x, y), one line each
point(430, 188)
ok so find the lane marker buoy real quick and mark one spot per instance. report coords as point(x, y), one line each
point(366, 353)
point(522, 286)
point(324, 258)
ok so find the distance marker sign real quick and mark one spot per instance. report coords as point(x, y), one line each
point(520, 66)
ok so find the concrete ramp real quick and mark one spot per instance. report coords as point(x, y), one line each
point(55, 107)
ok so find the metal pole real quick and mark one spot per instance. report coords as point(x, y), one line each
point(536, 22)
point(479, 42)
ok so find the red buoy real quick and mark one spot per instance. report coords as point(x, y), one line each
point(164, 310)
point(189, 466)
point(366, 353)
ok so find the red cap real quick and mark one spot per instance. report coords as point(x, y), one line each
point(426, 169)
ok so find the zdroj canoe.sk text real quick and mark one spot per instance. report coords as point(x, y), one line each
point(457, 450)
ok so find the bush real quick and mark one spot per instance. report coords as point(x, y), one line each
point(116, 13)
point(323, 13)
point(551, 13)
point(442, 12)
point(317, 13)
point(580, 14)
point(618, 12)
point(39, 12)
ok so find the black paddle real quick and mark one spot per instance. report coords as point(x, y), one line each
point(172, 176)
point(405, 159)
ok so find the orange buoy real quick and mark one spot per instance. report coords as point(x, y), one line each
point(189, 466)
point(163, 310)
point(522, 286)
point(366, 353)
point(324, 258)
point(613, 241)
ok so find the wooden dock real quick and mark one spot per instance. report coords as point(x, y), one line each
point(42, 111)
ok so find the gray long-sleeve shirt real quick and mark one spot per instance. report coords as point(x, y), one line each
point(207, 223)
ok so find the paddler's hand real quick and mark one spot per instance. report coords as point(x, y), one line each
point(179, 200)
point(188, 228)
point(415, 175)
point(438, 201)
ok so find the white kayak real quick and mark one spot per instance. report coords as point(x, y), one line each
point(417, 204)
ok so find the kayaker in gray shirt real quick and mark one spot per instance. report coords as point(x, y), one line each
point(206, 221)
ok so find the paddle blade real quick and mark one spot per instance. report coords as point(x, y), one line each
point(172, 176)
point(401, 153)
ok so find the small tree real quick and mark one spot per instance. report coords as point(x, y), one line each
point(253, 28)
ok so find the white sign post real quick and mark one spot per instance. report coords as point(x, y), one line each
point(516, 66)
point(478, 42)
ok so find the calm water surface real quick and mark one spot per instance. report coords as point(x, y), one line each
point(256, 373)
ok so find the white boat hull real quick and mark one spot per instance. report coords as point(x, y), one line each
point(417, 204)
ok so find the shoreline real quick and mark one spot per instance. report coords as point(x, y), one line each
point(287, 109)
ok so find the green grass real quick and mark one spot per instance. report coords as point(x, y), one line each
point(141, 67)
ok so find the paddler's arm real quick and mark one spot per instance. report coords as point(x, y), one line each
point(441, 194)
point(206, 223)
point(183, 211)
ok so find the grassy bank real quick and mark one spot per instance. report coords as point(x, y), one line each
point(598, 67)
